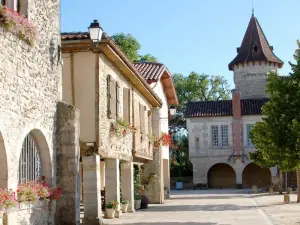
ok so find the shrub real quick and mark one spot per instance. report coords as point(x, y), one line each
point(179, 179)
point(112, 205)
point(124, 202)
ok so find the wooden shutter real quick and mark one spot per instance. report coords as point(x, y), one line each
point(126, 105)
point(129, 106)
point(117, 99)
point(149, 122)
point(142, 118)
point(111, 97)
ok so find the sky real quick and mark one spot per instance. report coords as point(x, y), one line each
point(190, 35)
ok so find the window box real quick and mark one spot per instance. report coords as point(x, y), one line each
point(13, 22)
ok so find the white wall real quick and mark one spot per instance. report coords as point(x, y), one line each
point(164, 112)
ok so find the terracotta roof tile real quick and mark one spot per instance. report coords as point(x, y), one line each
point(150, 70)
point(255, 36)
point(223, 108)
point(68, 36)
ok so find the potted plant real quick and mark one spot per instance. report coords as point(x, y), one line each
point(179, 183)
point(144, 202)
point(124, 205)
point(137, 202)
point(110, 209)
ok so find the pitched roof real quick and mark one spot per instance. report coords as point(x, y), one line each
point(255, 36)
point(153, 72)
point(150, 70)
point(223, 108)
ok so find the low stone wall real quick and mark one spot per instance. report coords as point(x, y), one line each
point(39, 213)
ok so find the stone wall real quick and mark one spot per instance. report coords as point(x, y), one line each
point(251, 79)
point(203, 156)
point(68, 153)
point(112, 146)
point(30, 79)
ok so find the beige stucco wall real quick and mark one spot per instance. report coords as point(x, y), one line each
point(84, 86)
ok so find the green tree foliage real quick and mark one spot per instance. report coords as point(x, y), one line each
point(130, 46)
point(148, 58)
point(277, 137)
point(197, 87)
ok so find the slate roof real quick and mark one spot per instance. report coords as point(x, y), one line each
point(255, 36)
point(150, 70)
point(223, 108)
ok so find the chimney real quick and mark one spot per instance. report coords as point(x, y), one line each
point(237, 125)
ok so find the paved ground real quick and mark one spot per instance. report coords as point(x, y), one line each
point(216, 207)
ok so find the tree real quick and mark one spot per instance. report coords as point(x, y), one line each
point(276, 138)
point(197, 87)
point(130, 46)
point(148, 58)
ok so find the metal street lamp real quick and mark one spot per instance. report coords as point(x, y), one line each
point(172, 111)
point(95, 31)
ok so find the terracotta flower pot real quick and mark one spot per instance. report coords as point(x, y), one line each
point(124, 208)
point(110, 213)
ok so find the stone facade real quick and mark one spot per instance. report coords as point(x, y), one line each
point(250, 78)
point(30, 83)
point(204, 156)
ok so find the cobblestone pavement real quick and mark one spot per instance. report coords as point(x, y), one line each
point(209, 207)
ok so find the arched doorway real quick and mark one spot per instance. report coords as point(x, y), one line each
point(3, 164)
point(255, 175)
point(221, 175)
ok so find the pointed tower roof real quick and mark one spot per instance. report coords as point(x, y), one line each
point(255, 46)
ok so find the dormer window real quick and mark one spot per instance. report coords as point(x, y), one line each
point(255, 48)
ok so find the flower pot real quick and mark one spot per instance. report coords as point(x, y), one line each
point(124, 208)
point(286, 199)
point(1, 218)
point(271, 191)
point(179, 185)
point(110, 213)
point(137, 204)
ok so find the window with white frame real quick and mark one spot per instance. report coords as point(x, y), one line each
point(219, 136)
point(224, 135)
point(20, 6)
point(215, 136)
point(248, 129)
point(30, 162)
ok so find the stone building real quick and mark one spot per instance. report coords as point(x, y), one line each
point(33, 121)
point(110, 92)
point(160, 80)
point(219, 143)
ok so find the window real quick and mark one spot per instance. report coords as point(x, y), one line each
point(224, 135)
point(248, 128)
point(30, 163)
point(255, 48)
point(3, 2)
point(215, 136)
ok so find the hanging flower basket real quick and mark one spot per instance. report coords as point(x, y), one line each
point(17, 24)
point(164, 140)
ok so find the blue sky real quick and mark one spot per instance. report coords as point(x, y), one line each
point(190, 35)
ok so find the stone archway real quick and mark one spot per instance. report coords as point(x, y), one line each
point(255, 175)
point(221, 175)
point(44, 154)
point(3, 164)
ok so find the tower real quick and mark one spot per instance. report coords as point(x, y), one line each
point(255, 58)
